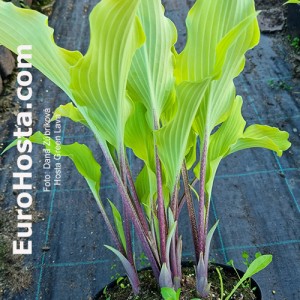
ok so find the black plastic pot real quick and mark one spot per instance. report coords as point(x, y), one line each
point(226, 268)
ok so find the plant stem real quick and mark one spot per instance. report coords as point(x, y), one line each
point(161, 210)
point(202, 221)
point(110, 227)
point(174, 202)
point(207, 216)
point(132, 213)
point(126, 220)
point(183, 198)
point(128, 238)
point(136, 199)
point(155, 248)
point(139, 210)
point(173, 249)
point(191, 210)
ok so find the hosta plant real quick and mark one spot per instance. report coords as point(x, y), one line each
point(177, 112)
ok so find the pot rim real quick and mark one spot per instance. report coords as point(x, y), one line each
point(188, 264)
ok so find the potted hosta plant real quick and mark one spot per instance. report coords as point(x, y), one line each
point(177, 112)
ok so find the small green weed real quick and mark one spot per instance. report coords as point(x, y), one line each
point(279, 85)
point(246, 257)
point(259, 263)
point(105, 293)
point(116, 275)
point(169, 294)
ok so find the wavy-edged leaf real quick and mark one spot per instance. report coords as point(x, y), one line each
point(232, 137)
point(264, 137)
point(98, 82)
point(228, 133)
point(151, 79)
point(119, 223)
point(173, 138)
point(85, 164)
point(80, 154)
point(219, 34)
point(69, 111)
point(215, 30)
point(28, 27)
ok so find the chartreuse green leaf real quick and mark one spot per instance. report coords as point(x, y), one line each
point(173, 138)
point(28, 27)
point(205, 53)
point(256, 266)
point(216, 105)
point(151, 79)
point(264, 137)
point(69, 111)
point(228, 133)
point(84, 162)
point(232, 137)
point(151, 87)
point(98, 81)
point(119, 223)
point(139, 136)
point(136, 133)
point(80, 154)
point(146, 189)
point(292, 2)
point(219, 34)
point(191, 153)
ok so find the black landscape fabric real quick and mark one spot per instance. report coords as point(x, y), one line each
point(256, 195)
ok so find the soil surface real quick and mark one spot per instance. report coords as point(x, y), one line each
point(150, 290)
